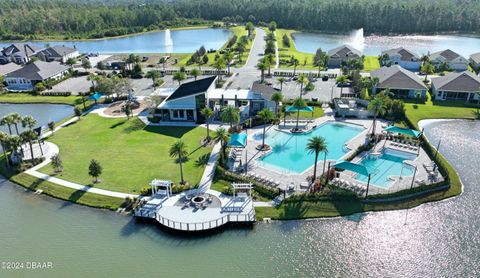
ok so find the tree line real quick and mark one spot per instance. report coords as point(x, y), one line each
point(30, 19)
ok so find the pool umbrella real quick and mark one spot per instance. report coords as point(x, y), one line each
point(239, 140)
point(96, 96)
point(293, 109)
point(356, 168)
point(404, 131)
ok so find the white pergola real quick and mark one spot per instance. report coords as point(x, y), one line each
point(243, 187)
point(161, 186)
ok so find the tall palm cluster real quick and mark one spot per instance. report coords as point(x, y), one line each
point(12, 141)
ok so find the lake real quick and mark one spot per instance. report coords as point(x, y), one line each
point(175, 41)
point(374, 45)
point(434, 240)
point(43, 113)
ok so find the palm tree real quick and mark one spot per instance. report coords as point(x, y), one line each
point(14, 143)
point(179, 150)
point(281, 80)
point(8, 121)
point(16, 119)
point(378, 107)
point(299, 103)
point(195, 73)
point(179, 76)
point(277, 98)
point(262, 66)
point(269, 60)
point(266, 115)
point(228, 55)
point(28, 137)
point(317, 145)
point(230, 115)
point(28, 121)
point(301, 80)
point(207, 113)
point(219, 65)
point(295, 64)
point(3, 143)
point(222, 136)
point(342, 80)
point(427, 68)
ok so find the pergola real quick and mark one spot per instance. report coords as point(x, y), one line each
point(356, 168)
point(161, 186)
point(239, 140)
point(242, 187)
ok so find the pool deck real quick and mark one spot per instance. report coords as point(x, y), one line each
point(298, 180)
point(169, 213)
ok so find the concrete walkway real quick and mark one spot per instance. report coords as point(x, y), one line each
point(209, 171)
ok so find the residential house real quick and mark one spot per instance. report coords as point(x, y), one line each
point(19, 53)
point(185, 103)
point(475, 61)
point(25, 78)
point(58, 53)
point(401, 82)
point(452, 59)
point(463, 86)
point(404, 58)
point(342, 54)
point(8, 68)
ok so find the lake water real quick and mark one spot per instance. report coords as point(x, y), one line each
point(436, 240)
point(43, 113)
point(374, 45)
point(183, 41)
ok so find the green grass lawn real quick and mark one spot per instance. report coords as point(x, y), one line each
point(285, 52)
point(30, 98)
point(130, 153)
point(317, 113)
point(370, 63)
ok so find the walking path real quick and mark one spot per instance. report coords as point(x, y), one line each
point(209, 171)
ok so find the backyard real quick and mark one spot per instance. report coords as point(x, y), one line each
point(130, 153)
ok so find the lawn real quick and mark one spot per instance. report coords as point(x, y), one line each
point(286, 52)
point(317, 113)
point(130, 153)
point(30, 98)
point(370, 63)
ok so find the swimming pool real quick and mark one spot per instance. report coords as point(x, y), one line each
point(288, 153)
point(389, 163)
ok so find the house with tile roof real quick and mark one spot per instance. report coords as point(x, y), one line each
point(452, 59)
point(401, 82)
point(404, 58)
point(342, 54)
point(463, 86)
point(25, 78)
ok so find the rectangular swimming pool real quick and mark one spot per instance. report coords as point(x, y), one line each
point(389, 163)
point(288, 153)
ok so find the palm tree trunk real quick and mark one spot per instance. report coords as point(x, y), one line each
point(263, 138)
point(31, 149)
point(374, 125)
point(208, 132)
point(7, 164)
point(324, 162)
point(298, 116)
point(10, 129)
point(276, 109)
point(281, 86)
point(315, 167)
point(16, 128)
point(181, 170)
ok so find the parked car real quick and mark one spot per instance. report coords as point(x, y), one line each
point(325, 78)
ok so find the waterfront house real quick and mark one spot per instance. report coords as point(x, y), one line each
point(19, 53)
point(475, 61)
point(456, 86)
point(8, 68)
point(342, 54)
point(185, 103)
point(404, 58)
point(25, 78)
point(452, 59)
point(57, 53)
point(401, 82)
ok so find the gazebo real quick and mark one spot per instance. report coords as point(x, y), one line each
point(239, 140)
point(161, 187)
point(356, 168)
point(242, 187)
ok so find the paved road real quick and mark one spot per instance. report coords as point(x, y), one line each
point(256, 53)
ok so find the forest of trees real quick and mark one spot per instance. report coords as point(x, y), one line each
point(23, 19)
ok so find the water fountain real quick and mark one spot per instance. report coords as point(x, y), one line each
point(168, 41)
point(357, 40)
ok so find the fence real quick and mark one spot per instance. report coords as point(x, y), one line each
point(307, 74)
point(204, 72)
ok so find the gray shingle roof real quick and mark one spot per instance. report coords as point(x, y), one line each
point(344, 51)
point(448, 55)
point(405, 54)
point(475, 57)
point(58, 51)
point(396, 77)
point(20, 49)
point(457, 82)
point(265, 90)
point(39, 70)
